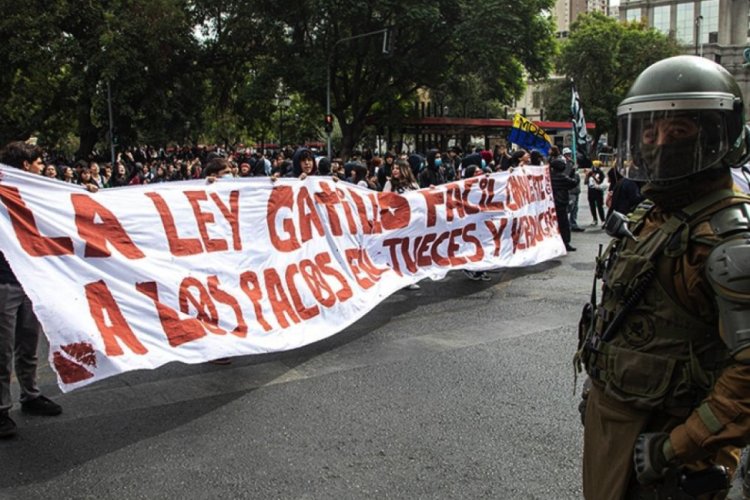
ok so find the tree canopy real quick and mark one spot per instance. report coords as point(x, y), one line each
point(603, 56)
point(219, 70)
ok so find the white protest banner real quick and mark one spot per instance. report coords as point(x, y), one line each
point(132, 278)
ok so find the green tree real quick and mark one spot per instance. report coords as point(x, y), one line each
point(241, 82)
point(30, 76)
point(60, 56)
point(603, 56)
point(495, 40)
point(144, 49)
point(185, 70)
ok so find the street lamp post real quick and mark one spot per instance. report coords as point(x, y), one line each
point(698, 40)
point(386, 49)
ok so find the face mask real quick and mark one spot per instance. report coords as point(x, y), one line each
point(227, 176)
point(484, 163)
point(438, 162)
point(669, 161)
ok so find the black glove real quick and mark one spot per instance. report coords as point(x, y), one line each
point(652, 456)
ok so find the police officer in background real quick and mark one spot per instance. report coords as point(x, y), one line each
point(667, 348)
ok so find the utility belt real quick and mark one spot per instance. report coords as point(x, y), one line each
point(650, 381)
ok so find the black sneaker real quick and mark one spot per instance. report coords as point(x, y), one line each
point(41, 406)
point(570, 248)
point(472, 275)
point(7, 426)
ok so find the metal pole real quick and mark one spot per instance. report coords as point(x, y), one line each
point(698, 42)
point(574, 144)
point(111, 128)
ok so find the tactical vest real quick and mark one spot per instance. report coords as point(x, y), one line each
point(645, 347)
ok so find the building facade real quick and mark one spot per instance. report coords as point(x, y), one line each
point(714, 29)
point(531, 104)
point(566, 12)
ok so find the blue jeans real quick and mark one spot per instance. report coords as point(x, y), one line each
point(573, 210)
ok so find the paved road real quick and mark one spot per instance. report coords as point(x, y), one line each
point(461, 389)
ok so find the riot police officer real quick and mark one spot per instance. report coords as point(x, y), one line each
point(667, 348)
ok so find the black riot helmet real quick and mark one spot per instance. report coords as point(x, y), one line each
point(683, 115)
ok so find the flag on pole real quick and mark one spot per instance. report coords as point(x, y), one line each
point(579, 126)
point(529, 135)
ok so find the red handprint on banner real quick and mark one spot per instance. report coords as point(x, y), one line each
point(74, 370)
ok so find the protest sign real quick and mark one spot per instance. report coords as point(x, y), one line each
point(135, 277)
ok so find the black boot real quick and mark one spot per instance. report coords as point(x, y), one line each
point(7, 426)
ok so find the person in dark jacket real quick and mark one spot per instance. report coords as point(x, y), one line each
point(384, 172)
point(416, 163)
point(19, 327)
point(537, 158)
point(453, 163)
point(324, 166)
point(625, 193)
point(519, 158)
point(432, 174)
point(502, 158)
point(468, 161)
point(303, 164)
point(561, 185)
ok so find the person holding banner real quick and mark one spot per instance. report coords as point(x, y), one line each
point(519, 158)
point(384, 172)
point(468, 173)
point(402, 180)
point(218, 168)
point(667, 347)
point(502, 159)
point(19, 327)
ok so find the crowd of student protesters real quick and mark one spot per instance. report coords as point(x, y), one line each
point(389, 172)
point(412, 171)
point(148, 165)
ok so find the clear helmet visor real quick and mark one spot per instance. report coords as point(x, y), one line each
point(670, 145)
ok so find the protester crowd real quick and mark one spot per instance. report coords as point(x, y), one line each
point(147, 165)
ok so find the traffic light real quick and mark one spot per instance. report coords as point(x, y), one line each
point(329, 123)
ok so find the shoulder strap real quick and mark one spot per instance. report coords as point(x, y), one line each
point(672, 234)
